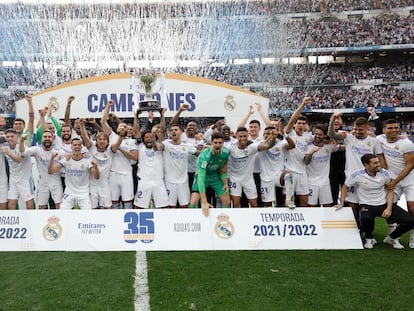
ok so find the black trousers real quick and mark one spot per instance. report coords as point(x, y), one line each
point(398, 215)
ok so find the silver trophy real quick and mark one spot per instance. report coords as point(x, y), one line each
point(147, 82)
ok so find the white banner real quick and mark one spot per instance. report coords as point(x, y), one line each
point(178, 229)
point(206, 98)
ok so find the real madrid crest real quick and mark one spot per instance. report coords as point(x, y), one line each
point(229, 103)
point(224, 228)
point(53, 104)
point(53, 230)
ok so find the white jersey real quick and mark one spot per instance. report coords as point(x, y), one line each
point(272, 160)
point(76, 175)
point(230, 142)
point(151, 163)
point(3, 172)
point(370, 190)
point(176, 157)
point(355, 148)
point(318, 169)
point(104, 162)
point(19, 172)
point(295, 158)
point(120, 163)
point(394, 155)
point(42, 158)
point(258, 140)
point(192, 159)
point(241, 162)
point(57, 141)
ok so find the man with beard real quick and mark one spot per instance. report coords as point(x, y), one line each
point(20, 180)
point(102, 152)
point(376, 201)
point(176, 154)
point(49, 184)
point(150, 173)
point(120, 177)
point(356, 145)
point(317, 159)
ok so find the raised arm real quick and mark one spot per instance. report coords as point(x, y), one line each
point(137, 128)
point(246, 117)
point(105, 116)
point(296, 114)
point(67, 110)
point(163, 125)
point(263, 115)
point(42, 125)
point(331, 128)
point(30, 124)
point(176, 117)
point(84, 133)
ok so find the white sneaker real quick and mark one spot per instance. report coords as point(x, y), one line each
point(393, 242)
point(369, 243)
point(290, 204)
point(411, 243)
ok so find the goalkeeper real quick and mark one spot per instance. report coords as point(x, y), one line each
point(211, 171)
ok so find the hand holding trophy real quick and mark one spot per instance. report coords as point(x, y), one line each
point(147, 82)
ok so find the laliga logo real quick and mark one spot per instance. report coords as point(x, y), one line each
point(53, 230)
point(224, 228)
point(229, 103)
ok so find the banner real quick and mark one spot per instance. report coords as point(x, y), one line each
point(178, 229)
point(205, 98)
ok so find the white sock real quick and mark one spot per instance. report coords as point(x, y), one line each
point(391, 228)
point(289, 187)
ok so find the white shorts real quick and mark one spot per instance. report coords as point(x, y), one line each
point(100, 195)
point(45, 190)
point(69, 201)
point(121, 186)
point(4, 188)
point(406, 189)
point(23, 190)
point(248, 187)
point(352, 195)
point(268, 188)
point(180, 192)
point(321, 194)
point(300, 182)
point(147, 189)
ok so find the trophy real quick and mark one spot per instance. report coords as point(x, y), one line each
point(147, 82)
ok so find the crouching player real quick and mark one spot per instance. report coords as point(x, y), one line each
point(211, 171)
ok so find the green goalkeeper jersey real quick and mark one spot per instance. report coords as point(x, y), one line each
point(209, 166)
